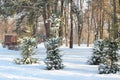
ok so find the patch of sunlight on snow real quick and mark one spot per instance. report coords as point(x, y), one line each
point(7, 59)
point(15, 77)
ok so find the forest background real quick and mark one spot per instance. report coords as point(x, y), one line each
point(82, 21)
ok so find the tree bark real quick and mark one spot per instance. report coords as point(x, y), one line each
point(71, 31)
point(47, 29)
point(61, 26)
point(66, 24)
point(115, 27)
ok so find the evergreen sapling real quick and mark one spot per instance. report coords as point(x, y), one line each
point(27, 46)
point(53, 59)
point(98, 52)
point(110, 60)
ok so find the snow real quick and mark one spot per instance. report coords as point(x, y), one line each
point(74, 60)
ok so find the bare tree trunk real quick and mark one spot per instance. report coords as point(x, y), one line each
point(101, 19)
point(5, 25)
point(56, 6)
point(80, 21)
point(97, 27)
point(46, 15)
point(88, 36)
point(88, 23)
point(119, 2)
point(61, 27)
point(71, 31)
point(115, 27)
point(102, 25)
point(109, 31)
point(66, 25)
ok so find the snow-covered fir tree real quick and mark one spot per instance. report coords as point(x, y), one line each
point(53, 59)
point(109, 64)
point(98, 53)
point(105, 54)
point(27, 47)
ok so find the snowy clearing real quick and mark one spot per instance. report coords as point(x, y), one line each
point(74, 60)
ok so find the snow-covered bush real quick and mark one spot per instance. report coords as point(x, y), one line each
point(27, 46)
point(98, 53)
point(105, 54)
point(109, 64)
point(107, 68)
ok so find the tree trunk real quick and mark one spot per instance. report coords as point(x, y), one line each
point(109, 31)
point(119, 2)
point(45, 17)
point(66, 25)
point(71, 31)
point(80, 21)
point(101, 19)
point(61, 27)
point(88, 23)
point(45, 24)
point(56, 6)
point(88, 37)
point(96, 21)
point(95, 31)
point(115, 27)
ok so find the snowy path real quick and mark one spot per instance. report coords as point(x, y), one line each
point(73, 59)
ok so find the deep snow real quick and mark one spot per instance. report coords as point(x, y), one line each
point(74, 60)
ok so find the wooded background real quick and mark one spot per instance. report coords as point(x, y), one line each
point(83, 21)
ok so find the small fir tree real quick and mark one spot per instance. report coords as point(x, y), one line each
point(109, 64)
point(98, 52)
point(27, 45)
point(53, 59)
point(105, 54)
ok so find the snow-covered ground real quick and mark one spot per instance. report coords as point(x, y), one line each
point(74, 60)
